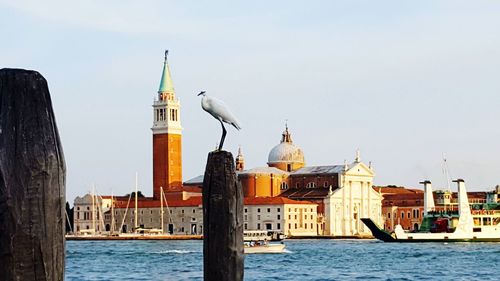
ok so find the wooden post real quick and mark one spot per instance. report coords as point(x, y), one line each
point(32, 180)
point(222, 220)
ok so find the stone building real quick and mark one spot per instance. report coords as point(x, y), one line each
point(293, 218)
point(343, 193)
point(402, 206)
point(179, 216)
point(88, 213)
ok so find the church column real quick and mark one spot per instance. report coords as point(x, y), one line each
point(351, 209)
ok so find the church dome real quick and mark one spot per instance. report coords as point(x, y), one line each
point(286, 152)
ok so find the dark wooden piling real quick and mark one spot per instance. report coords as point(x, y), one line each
point(222, 220)
point(32, 180)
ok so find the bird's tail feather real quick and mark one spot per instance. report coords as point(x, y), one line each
point(236, 125)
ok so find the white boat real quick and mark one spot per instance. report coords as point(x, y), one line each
point(263, 247)
point(465, 226)
point(257, 242)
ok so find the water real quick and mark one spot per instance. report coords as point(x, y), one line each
point(305, 260)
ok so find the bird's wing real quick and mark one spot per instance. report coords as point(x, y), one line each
point(220, 111)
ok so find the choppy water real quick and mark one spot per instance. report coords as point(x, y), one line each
point(306, 260)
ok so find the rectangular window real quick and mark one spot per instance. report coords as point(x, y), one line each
point(246, 226)
point(295, 226)
point(279, 210)
point(245, 210)
point(289, 217)
point(246, 218)
point(305, 226)
point(289, 226)
point(388, 215)
point(258, 217)
point(278, 226)
point(268, 210)
point(258, 210)
point(409, 215)
point(258, 226)
point(279, 217)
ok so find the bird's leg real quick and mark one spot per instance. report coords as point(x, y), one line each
point(223, 136)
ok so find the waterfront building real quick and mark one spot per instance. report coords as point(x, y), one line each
point(293, 218)
point(179, 216)
point(88, 213)
point(403, 206)
point(343, 193)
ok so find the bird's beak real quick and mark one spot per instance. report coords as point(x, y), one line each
point(201, 93)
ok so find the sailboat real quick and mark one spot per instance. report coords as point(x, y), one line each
point(462, 226)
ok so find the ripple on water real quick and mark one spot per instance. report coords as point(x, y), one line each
point(306, 260)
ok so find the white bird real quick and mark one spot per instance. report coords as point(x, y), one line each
point(219, 111)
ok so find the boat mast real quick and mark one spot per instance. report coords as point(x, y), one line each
point(100, 214)
point(112, 230)
point(168, 209)
point(93, 208)
point(446, 173)
point(161, 208)
point(126, 212)
point(136, 202)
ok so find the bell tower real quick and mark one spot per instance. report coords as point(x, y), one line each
point(167, 137)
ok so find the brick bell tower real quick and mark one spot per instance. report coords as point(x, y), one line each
point(167, 137)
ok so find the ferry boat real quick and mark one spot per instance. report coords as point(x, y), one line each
point(257, 242)
point(464, 225)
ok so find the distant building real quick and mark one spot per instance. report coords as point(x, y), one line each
point(343, 193)
point(402, 206)
point(167, 142)
point(88, 213)
point(293, 218)
point(179, 216)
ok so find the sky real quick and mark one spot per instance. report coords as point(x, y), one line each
point(405, 82)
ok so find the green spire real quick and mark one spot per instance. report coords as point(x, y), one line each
point(166, 85)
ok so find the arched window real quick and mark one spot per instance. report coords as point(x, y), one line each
point(283, 186)
point(325, 184)
point(311, 185)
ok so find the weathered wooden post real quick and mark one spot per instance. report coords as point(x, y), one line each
point(222, 220)
point(32, 180)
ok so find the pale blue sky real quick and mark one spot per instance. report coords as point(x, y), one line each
point(403, 81)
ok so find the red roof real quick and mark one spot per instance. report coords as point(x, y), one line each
point(273, 201)
point(150, 203)
point(197, 201)
point(396, 190)
point(403, 200)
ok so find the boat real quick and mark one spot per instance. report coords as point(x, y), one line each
point(463, 225)
point(263, 247)
point(257, 242)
